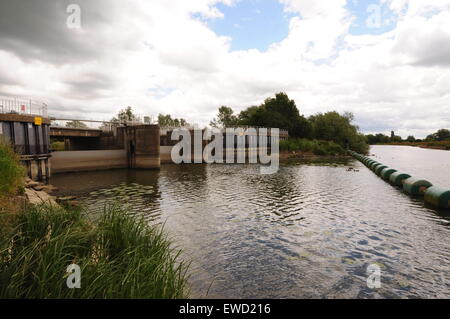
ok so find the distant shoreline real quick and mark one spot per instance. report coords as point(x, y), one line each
point(441, 145)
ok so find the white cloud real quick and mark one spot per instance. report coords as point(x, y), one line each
point(155, 56)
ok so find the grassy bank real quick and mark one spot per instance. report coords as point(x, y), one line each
point(320, 148)
point(119, 255)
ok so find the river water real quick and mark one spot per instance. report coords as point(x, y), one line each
point(309, 231)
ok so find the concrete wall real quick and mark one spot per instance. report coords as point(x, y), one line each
point(142, 143)
point(165, 154)
point(74, 161)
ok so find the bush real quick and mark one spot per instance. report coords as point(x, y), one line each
point(314, 146)
point(119, 256)
point(11, 172)
point(58, 146)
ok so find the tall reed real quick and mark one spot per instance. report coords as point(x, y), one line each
point(120, 256)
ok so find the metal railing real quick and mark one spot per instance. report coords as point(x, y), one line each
point(22, 106)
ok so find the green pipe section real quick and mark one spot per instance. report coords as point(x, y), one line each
point(379, 168)
point(386, 173)
point(397, 178)
point(371, 165)
point(438, 197)
point(416, 186)
point(374, 166)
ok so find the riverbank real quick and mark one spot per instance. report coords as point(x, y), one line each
point(320, 147)
point(119, 255)
point(287, 156)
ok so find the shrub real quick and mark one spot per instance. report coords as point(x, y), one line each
point(58, 146)
point(314, 146)
point(11, 171)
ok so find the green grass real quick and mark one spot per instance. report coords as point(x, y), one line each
point(120, 256)
point(11, 172)
point(58, 146)
point(326, 148)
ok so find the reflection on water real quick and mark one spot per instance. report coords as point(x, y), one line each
point(309, 231)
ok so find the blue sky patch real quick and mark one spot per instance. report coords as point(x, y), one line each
point(256, 24)
point(252, 24)
point(370, 17)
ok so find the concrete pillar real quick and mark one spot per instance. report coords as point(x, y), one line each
point(142, 143)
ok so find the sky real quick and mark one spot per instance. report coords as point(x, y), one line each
point(387, 61)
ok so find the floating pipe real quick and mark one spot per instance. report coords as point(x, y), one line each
point(387, 172)
point(438, 197)
point(374, 166)
point(397, 178)
point(416, 186)
point(370, 161)
point(379, 169)
point(371, 165)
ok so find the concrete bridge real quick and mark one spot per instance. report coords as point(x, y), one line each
point(68, 132)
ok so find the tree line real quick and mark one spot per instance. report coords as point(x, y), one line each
point(440, 135)
point(282, 112)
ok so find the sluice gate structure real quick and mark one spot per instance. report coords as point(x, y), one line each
point(27, 126)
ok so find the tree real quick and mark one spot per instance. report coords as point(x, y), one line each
point(395, 138)
point(279, 112)
point(76, 124)
point(125, 115)
point(168, 121)
point(371, 139)
point(332, 126)
point(381, 138)
point(411, 139)
point(441, 135)
point(225, 118)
